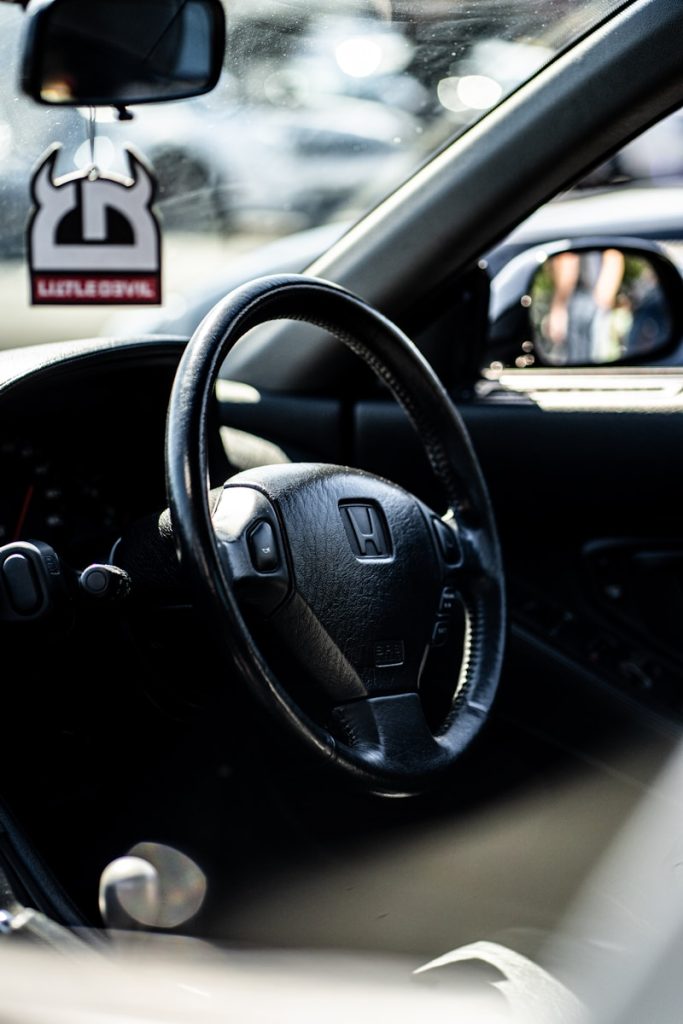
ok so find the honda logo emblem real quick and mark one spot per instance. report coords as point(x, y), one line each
point(367, 530)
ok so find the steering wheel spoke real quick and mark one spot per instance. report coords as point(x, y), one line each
point(392, 732)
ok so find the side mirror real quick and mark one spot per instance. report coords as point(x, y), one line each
point(588, 304)
point(121, 52)
point(598, 306)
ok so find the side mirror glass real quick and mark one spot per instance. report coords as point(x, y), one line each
point(598, 306)
point(122, 52)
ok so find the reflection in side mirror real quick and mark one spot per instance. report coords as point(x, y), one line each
point(121, 52)
point(598, 306)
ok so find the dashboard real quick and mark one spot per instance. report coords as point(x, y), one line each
point(93, 688)
point(82, 448)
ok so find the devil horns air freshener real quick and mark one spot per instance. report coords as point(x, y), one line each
point(94, 238)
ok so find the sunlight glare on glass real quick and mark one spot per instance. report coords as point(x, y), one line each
point(6, 139)
point(479, 92)
point(359, 56)
point(469, 92)
point(447, 91)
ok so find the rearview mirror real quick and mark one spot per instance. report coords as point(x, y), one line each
point(598, 306)
point(121, 52)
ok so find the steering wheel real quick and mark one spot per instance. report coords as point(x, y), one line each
point(356, 580)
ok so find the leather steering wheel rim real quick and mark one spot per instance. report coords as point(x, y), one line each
point(393, 754)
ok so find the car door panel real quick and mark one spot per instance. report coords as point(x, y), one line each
point(588, 506)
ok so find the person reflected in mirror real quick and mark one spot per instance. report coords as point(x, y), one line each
point(585, 288)
point(613, 316)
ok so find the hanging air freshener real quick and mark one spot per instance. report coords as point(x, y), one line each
point(94, 238)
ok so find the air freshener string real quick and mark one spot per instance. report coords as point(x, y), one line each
point(94, 171)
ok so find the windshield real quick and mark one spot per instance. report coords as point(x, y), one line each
point(323, 108)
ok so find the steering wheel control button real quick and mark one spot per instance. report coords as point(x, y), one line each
point(263, 548)
point(449, 598)
point(367, 530)
point(440, 633)
point(251, 547)
point(449, 544)
point(21, 585)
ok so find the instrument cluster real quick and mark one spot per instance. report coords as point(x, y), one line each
point(67, 502)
